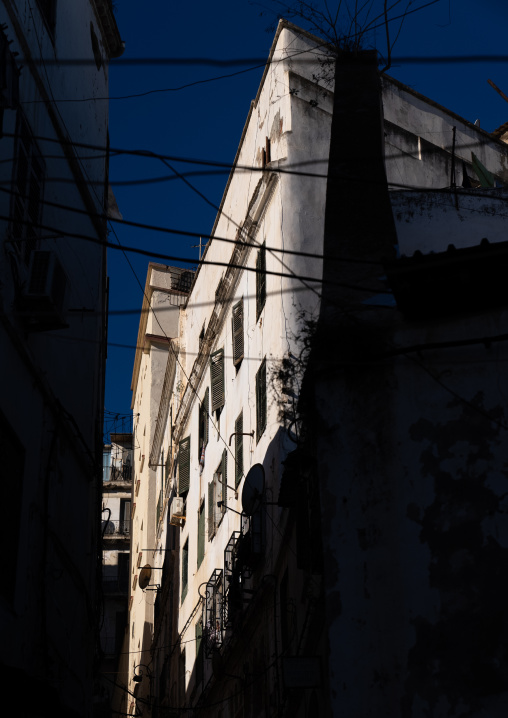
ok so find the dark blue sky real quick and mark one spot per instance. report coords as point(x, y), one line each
point(206, 121)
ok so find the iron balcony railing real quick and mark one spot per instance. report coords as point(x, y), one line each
point(118, 473)
point(116, 528)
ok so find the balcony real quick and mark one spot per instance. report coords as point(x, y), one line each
point(116, 529)
point(122, 473)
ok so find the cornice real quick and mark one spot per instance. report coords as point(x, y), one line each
point(111, 35)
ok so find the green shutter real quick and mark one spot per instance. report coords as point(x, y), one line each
point(206, 409)
point(260, 280)
point(224, 479)
point(203, 421)
point(211, 511)
point(217, 379)
point(237, 332)
point(167, 468)
point(159, 508)
point(201, 533)
point(238, 450)
point(261, 400)
point(184, 466)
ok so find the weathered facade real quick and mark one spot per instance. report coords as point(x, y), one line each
point(116, 533)
point(277, 412)
point(166, 289)
point(405, 429)
point(54, 197)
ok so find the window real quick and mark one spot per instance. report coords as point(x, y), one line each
point(167, 469)
point(238, 449)
point(27, 196)
point(212, 613)
point(125, 516)
point(123, 572)
point(260, 280)
point(201, 532)
point(261, 400)
point(185, 569)
point(160, 503)
point(203, 424)
point(267, 153)
point(184, 466)
point(217, 492)
point(106, 465)
point(237, 333)
point(217, 379)
point(48, 12)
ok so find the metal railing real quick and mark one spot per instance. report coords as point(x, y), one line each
point(118, 473)
point(116, 528)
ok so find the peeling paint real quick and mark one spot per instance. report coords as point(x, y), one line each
point(463, 656)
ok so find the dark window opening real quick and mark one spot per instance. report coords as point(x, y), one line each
point(237, 333)
point(238, 449)
point(261, 400)
point(48, 12)
point(260, 280)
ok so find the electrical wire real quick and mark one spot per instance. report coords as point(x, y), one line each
point(290, 168)
point(263, 62)
point(256, 62)
point(186, 260)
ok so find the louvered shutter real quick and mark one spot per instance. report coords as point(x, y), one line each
point(201, 533)
point(217, 379)
point(211, 511)
point(260, 280)
point(237, 332)
point(238, 449)
point(224, 480)
point(206, 409)
point(184, 466)
point(261, 400)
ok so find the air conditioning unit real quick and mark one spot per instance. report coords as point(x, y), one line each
point(44, 294)
point(177, 512)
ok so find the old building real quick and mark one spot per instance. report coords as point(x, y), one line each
point(166, 289)
point(116, 533)
point(262, 593)
point(53, 200)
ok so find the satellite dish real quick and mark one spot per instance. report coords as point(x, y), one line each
point(145, 576)
point(253, 489)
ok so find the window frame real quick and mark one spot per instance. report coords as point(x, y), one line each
point(201, 532)
point(185, 569)
point(184, 465)
point(47, 9)
point(217, 491)
point(203, 422)
point(217, 380)
point(260, 280)
point(261, 400)
point(237, 333)
point(238, 449)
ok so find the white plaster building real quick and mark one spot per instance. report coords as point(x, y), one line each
point(116, 533)
point(240, 621)
point(165, 291)
point(54, 195)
